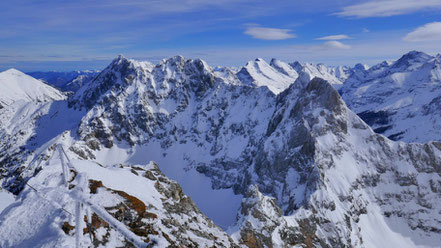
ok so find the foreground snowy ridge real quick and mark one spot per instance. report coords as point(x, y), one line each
point(309, 171)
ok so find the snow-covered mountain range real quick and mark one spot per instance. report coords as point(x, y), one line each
point(278, 75)
point(266, 156)
point(65, 81)
point(399, 99)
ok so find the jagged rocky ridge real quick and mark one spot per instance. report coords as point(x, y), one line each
point(312, 173)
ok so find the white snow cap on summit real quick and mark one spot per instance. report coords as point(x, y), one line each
point(15, 86)
point(260, 73)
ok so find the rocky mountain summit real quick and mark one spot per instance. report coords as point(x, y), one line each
point(283, 164)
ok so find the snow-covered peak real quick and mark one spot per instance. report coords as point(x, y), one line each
point(361, 67)
point(259, 73)
point(308, 71)
point(177, 59)
point(180, 65)
point(121, 61)
point(415, 57)
point(118, 74)
point(17, 86)
point(410, 61)
point(13, 71)
point(284, 68)
point(118, 59)
point(227, 74)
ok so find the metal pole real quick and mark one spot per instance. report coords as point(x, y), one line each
point(78, 225)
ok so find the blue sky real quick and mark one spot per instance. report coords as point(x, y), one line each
point(87, 34)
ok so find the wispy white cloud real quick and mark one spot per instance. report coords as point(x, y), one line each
point(269, 33)
point(381, 8)
point(335, 37)
point(333, 44)
point(428, 32)
point(368, 51)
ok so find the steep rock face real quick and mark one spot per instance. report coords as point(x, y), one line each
point(258, 212)
point(117, 75)
point(349, 177)
point(395, 98)
point(176, 89)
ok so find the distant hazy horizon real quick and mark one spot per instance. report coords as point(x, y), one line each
point(78, 35)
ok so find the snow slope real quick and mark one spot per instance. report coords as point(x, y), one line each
point(17, 86)
point(31, 113)
point(334, 75)
point(277, 76)
point(6, 199)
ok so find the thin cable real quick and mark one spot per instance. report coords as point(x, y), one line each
point(57, 205)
